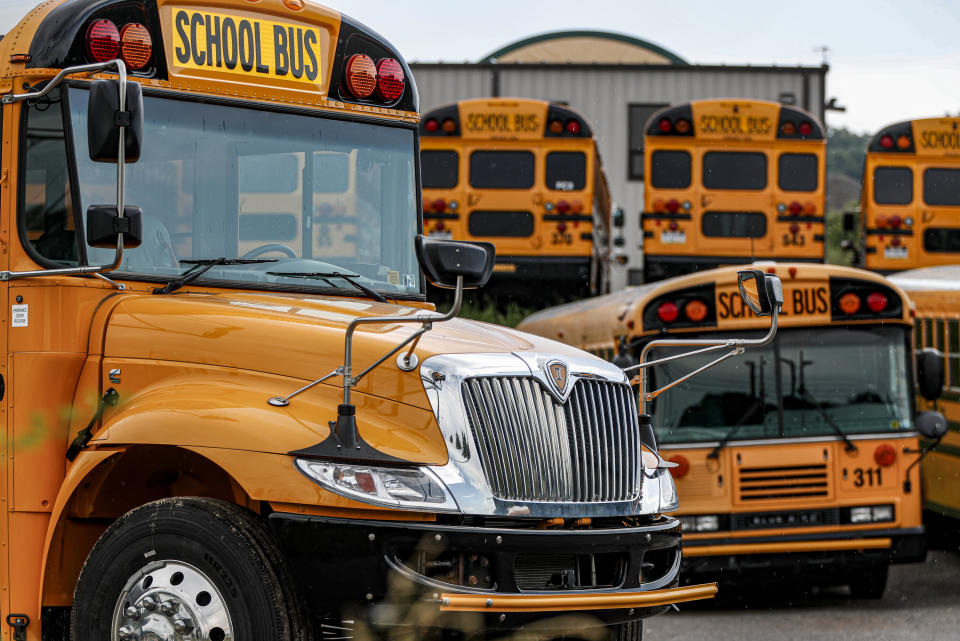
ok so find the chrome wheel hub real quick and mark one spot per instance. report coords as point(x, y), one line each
point(171, 601)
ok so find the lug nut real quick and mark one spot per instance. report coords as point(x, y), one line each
point(149, 604)
point(133, 612)
point(125, 633)
point(183, 626)
point(169, 607)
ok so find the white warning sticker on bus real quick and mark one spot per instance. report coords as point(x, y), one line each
point(20, 316)
point(673, 237)
point(895, 252)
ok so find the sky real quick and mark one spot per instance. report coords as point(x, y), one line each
point(889, 61)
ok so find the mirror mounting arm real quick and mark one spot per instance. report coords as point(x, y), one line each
point(90, 69)
point(923, 451)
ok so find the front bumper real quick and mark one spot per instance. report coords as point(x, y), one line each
point(822, 557)
point(395, 573)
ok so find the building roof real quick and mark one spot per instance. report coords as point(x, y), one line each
point(584, 46)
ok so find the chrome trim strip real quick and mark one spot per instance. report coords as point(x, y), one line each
point(778, 441)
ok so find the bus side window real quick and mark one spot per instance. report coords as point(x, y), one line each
point(953, 354)
point(48, 214)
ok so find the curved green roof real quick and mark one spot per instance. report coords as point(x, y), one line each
point(608, 35)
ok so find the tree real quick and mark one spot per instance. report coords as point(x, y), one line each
point(845, 150)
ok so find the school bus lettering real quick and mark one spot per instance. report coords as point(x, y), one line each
point(810, 301)
point(232, 44)
point(940, 140)
point(735, 124)
point(503, 123)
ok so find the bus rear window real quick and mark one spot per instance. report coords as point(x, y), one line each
point(797, 172)
point(893, 185)
point(566, 170)
point(941, 186)
point(734, 224)
point(501, 169)
point(439, 169)
point(734, 170)
point(941, 240)
point(670, 169)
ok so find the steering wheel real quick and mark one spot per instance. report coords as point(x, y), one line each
point(270, 247)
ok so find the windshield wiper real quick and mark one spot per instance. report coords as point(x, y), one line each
point(326, 276)
point(715, 452)
point(849, 446)
point(202, 265)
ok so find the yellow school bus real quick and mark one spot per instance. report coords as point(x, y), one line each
point(795, 461)
point(224, 427)
point(935, 292)
point(730, 181)
point(910, 201)
point(525, 175)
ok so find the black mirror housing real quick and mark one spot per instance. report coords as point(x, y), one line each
point(932, 425)
point(104, 120)
point(762, 292)
point(849, 221)
point(618, 217)
point(104, 226)
point(930, 373)
point(443, 261)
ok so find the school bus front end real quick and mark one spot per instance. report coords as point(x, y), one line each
point(524, 175)
point(911, 196)
point(730, 181)
point(796, 461)
point(230, 412)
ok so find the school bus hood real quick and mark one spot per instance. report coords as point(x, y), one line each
point(297, 336)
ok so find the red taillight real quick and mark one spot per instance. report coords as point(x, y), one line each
point(667, 312)
point(695, 310)
point(562, 206)
point(431, 125)
point(659, 205)
point(561, 227)
point(895, 221)
point(361, 75)
point(665, 125)
point(440, 226)
point(576, 207)
point(439, 205)
point(850, 303)
point(793, 272)
point(682, 468)
point(103, 41)
point(877, 302)
point(886, 142)
point(573, 127)
point(881, 221)
point(895, 241)
point(796, 208)
point(809, 208)
point(806, 128)
point(390, 81)
point(794, 228)
point(885, 455)
point(674, 226)
point(673, 205)
point(136, 46)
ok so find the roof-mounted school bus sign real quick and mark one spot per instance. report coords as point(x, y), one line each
point(228, 411)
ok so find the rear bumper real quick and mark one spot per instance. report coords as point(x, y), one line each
point(820, 556)
point(660, 266)
point(556, 269)
point(379, 571)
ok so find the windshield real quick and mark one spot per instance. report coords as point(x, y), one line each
point(857, 375)
point(316, 194)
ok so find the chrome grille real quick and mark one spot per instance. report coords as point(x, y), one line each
point(533, 448)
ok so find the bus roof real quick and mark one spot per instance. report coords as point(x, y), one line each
point(294, 52)
point(505, 119)
point(924, 136)
point(727, 118)
point(940, 278)
point(601, 320)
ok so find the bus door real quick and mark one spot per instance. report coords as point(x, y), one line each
point(503, 200)
point(567, 208)
point(735, 201)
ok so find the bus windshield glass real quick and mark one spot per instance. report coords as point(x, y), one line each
point(853, 377)
point(313, 195)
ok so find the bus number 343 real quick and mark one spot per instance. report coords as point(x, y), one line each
point(865, 477)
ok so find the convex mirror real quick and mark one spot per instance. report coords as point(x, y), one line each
point(931, 425)
point(104, 226)
point(761, 292)
point(104, 121)
point(443, 261)
point(930, 374)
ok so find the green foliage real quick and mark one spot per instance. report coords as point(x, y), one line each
point(510, 316)
point(845, 151)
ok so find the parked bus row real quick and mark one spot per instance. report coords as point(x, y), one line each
point(800, 460)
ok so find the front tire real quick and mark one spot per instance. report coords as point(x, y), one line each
point(871, 584)
point(187, 568)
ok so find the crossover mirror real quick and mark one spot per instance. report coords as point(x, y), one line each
point(930, 374)
point(761, 292)
point(105, 118)
point(931, 425)
point(618, 218)
point(443, 261)
point(104, 226)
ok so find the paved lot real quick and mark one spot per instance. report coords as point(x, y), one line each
point(922, 603)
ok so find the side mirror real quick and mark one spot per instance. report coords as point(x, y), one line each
point(104, 120)
point(849, 221)
point(930, 375)
point(443, 261)
point(932, 425)
point(763, 293)
point(104, 226)
point(618, 217)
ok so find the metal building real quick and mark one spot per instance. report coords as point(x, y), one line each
point(617, 81)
